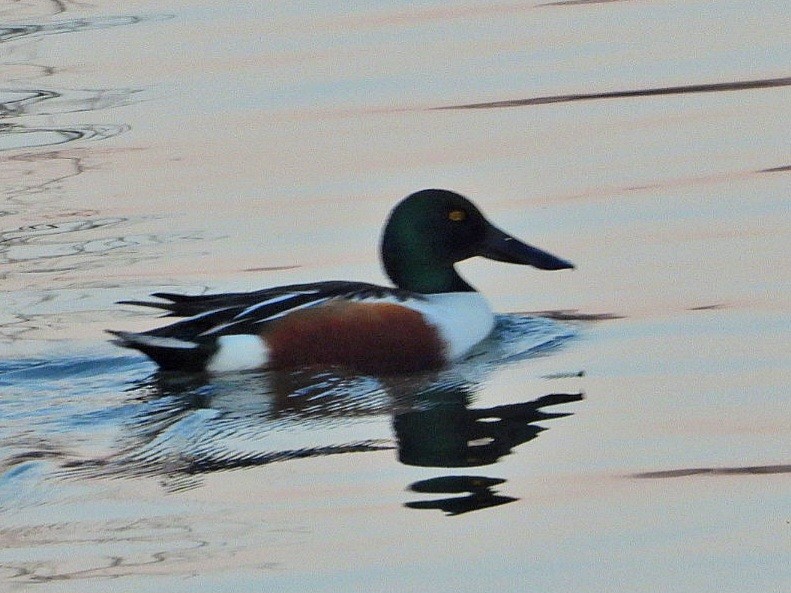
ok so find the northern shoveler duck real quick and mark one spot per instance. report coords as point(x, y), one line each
point(429, 318)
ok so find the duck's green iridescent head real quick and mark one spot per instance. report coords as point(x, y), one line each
point(432, 229)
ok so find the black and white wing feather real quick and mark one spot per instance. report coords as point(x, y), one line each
point(207, 317)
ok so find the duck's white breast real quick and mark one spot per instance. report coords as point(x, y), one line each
point(462, 318)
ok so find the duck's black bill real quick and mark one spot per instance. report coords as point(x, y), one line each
point(503, 247)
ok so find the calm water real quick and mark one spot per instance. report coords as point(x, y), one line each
point(625, 428)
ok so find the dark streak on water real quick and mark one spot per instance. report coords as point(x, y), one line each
point(712, 307)
point(717, 471)
point(743, 85)
point(273, 268)
point(576, 2)
point(781, 169)
point(574, 315)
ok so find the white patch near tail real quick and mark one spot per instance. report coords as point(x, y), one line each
point(242, 352)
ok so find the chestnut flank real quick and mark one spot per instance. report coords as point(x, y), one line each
point(367, 337)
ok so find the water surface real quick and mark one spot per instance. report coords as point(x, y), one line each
point(625, 428)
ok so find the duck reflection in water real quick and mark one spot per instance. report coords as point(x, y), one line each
point(179, 427)
point(480, 494)
point(443, 431)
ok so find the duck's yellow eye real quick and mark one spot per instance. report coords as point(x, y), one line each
point(457, 215)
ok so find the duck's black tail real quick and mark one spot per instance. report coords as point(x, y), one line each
point(170, 354)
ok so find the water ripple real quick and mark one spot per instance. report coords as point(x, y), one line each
point(49, 247)
point(35, 8)
point(19, 102)
point(20, 31)
point(16, 137)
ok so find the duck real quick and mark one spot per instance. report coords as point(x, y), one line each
point(430, 317)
